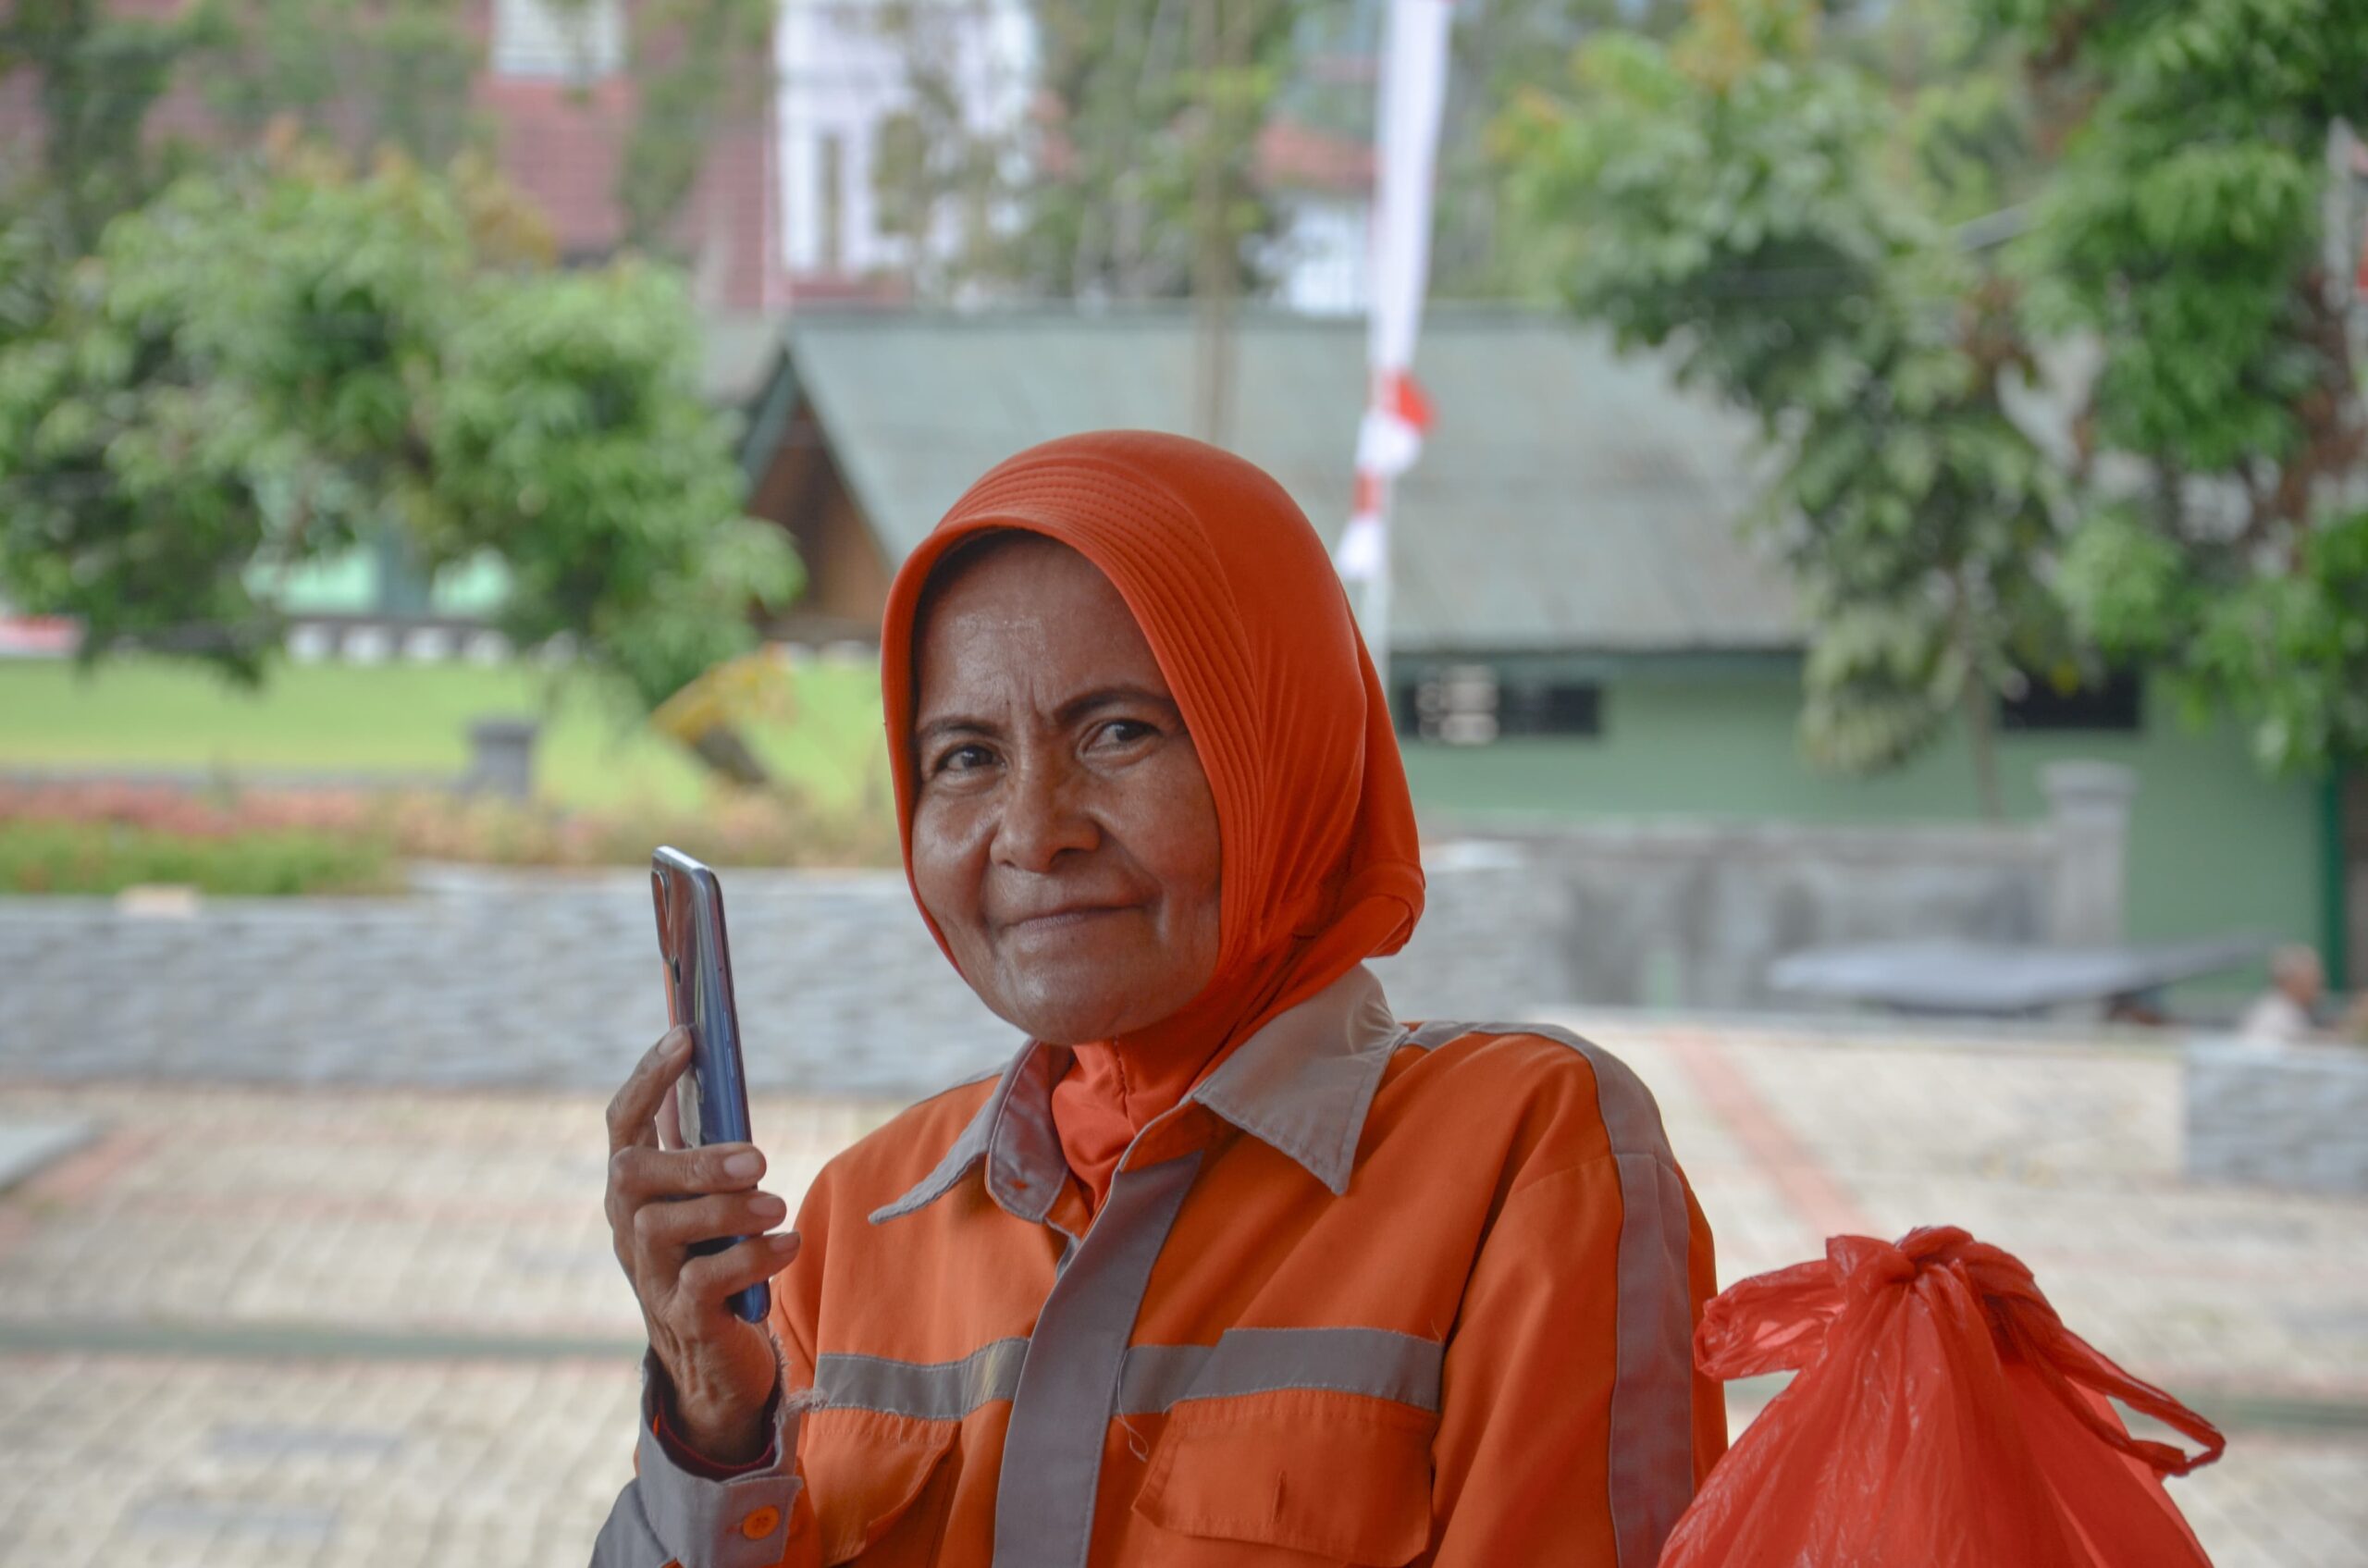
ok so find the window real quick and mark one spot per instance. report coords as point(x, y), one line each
point(1472, 705)
point(2115, 704)
point(1550, 708)
point(573, 40)
point(1458, 704)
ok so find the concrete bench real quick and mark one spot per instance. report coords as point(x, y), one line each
point(2292, 1116)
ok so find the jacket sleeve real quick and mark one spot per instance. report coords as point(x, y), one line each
point(674, 1511)
point(1573, 1429)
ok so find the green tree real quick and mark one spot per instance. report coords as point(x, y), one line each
point(2191, 233)
point(203, 388)
point(259, 368)
point(1734, 196)
point(937, 171)
point(1500, 51)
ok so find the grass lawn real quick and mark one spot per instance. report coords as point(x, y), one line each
point(398, 719)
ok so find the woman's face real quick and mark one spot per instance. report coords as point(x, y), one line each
point(1063, 836)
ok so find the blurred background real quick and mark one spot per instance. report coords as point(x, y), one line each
point(1865, 508)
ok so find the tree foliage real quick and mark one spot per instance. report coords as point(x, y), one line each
point(361, 74)
point(2191, 233)
point(1501, 51)
point(209, 380)
point(945, 174)
point(695, 64)
point(259, 368)
point(1775, 206)
point(1733, 196)
point(1145, 108)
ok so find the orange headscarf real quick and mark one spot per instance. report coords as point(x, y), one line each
point(1242, 610)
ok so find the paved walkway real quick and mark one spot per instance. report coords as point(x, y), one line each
point(551, 981)
point(249, 1326)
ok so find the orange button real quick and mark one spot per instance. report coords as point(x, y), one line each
point(760, 1524)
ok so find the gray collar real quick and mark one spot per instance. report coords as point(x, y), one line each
point(1302, 1084)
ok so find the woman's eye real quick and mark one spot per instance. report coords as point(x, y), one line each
point(964, 760)
point(1126, 732)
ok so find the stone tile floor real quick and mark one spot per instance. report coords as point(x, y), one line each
point(258, 1328)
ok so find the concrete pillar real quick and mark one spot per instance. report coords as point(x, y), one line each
point(501, 757)
point(2088, 808)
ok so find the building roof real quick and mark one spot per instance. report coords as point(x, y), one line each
point(1569, 499)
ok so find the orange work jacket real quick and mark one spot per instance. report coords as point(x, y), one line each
point(1373, 1294)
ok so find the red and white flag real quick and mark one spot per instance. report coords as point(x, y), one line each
point(1390, 438)
point(1414, 83)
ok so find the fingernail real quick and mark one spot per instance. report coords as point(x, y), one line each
point(745, 1163)
point(784, 1242)
point(767, 1207)
point(678, 1040)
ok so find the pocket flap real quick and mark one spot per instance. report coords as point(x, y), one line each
point(1339, 1475)
point(864, 1470)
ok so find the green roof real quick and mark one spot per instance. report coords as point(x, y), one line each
point(1569, 498)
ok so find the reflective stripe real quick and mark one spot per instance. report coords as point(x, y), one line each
point(1068, 1382)
point(943, 1390)
point(1307, 1097)
point(1376, 1362)
point(1652, 1391)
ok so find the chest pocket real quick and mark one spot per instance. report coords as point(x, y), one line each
point(1315, 1475)
point(879, 1484)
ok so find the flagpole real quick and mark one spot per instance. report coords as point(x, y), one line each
point(1375, 615)
point(1411, 88)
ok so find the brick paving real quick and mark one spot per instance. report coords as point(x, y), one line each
point(255, 1325)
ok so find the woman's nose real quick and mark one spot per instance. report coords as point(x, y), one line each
point(1042, 817)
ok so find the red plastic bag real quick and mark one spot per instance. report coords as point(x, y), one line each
point(1942, 1417)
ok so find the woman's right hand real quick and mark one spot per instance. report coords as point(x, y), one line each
point(661, 1203)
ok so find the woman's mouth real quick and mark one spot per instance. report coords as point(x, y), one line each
point(1066, 918)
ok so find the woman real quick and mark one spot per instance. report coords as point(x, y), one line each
point(1227, 1265)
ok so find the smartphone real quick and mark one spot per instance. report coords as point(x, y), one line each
point(711, 1097)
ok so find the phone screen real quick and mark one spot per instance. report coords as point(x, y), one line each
point(698, 995)
point(678, 955)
